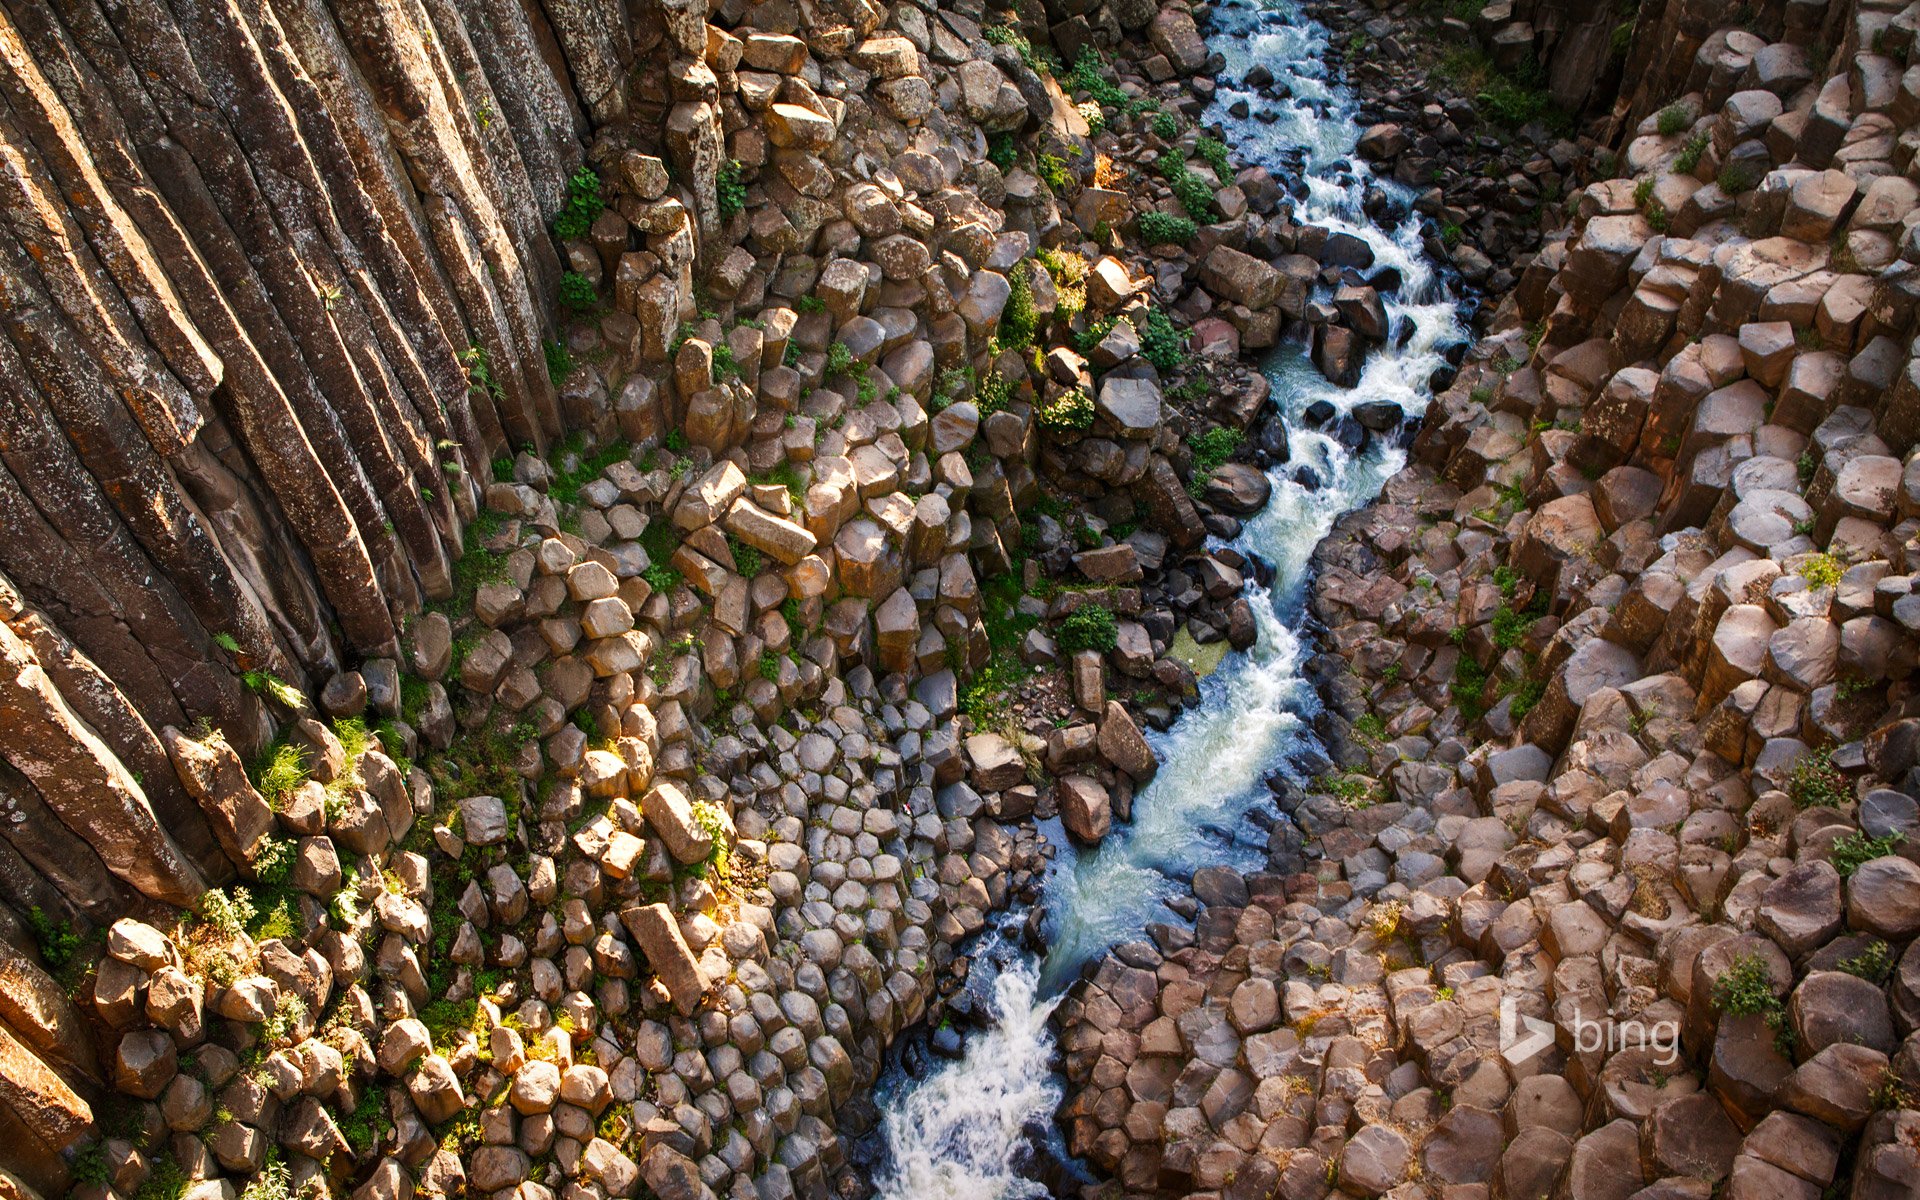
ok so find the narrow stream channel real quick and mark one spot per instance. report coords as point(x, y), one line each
point(967, 1129)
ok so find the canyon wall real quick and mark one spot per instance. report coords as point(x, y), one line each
point(256, 257)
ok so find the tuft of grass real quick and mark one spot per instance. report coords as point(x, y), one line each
point(1673, 119)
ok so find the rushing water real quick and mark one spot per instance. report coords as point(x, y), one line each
point(965, 1132)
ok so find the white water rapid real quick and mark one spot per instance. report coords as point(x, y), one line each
point(965, 1132)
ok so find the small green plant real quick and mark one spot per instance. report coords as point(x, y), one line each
point(480, 371)
point(1194, 193)
point(1874, 964)
point(730, 190)
point(1089, 627)
point(1673, 119)
point(1018, 320)
point(1165, 126)
point(1166, 229)
point(1214, 151)
point(1738, 176)
point(1351, 789)
point(559, 366)
point(1054, 172)
point(265, 683)
point(1688, 160)
point(1370, 729)
point(1161, 343)
point(1213, 447)
point(1853, 850)
point(226, 913)
point(1069, 411)
point(57, 940)
point(747, 559)
point(582, 208)
point(1001, 150)
point(1821, 570)
point(840, 360)
point(227, 642)
point(661, 577)
point(577, 292)
point(1746, 989)
point(1510, 628)
point(1814, 781)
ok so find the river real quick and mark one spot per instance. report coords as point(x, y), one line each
point(967, 1129)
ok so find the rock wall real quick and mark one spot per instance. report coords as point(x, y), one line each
point(255, 258)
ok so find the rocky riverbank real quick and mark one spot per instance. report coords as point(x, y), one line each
point(1612, 888)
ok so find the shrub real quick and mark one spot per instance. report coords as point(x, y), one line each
point(1673, 119)
point(730, 191)
point(583, 206)
point(1214, 447)
point(1165, 126)
point(1069, 411)
point(1166, 229)
point(1089, 627)
point(1018, 320)
point(1162, 345)
point(1745, 989)
point(1194, 193)
point(577, 292)
point(1814, 781)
